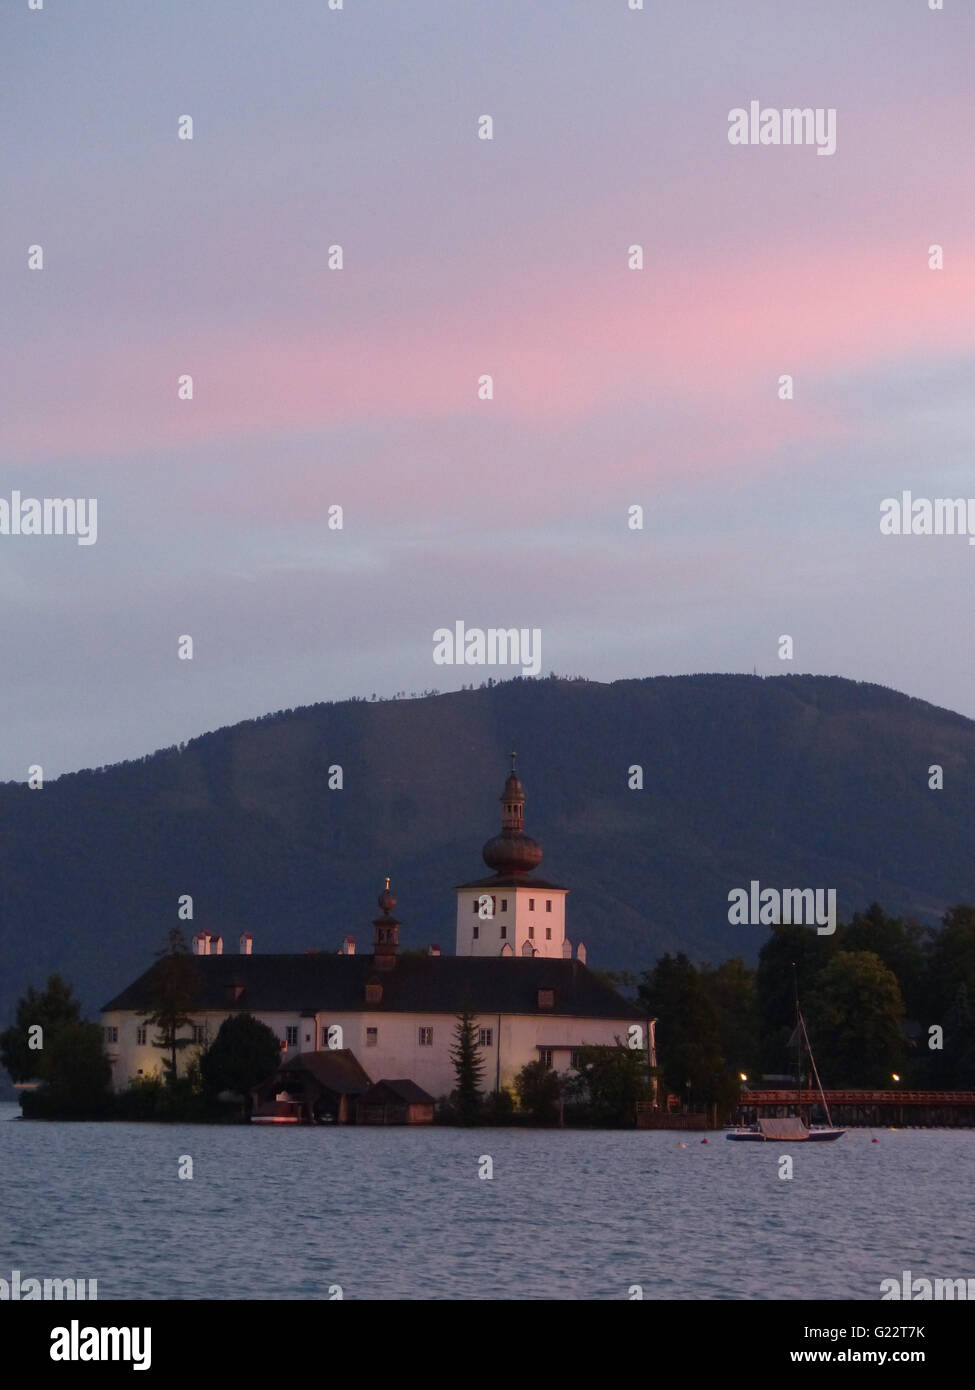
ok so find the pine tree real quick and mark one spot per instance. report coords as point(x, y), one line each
point(468, 1066)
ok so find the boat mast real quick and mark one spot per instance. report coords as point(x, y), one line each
point(812, 1059)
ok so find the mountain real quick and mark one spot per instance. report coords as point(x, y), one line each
point(797, 781)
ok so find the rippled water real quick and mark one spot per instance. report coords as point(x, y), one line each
point(401, 1213)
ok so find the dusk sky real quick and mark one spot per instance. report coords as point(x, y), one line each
point(462, 257)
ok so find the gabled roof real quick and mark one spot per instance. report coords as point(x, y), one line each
point(337, 1070)
point(414, 984)
point(406, 1091)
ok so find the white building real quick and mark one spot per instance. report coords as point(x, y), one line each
point(397, 1014)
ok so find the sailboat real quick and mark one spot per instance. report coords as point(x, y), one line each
point(794, 1130)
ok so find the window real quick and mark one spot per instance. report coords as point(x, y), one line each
point(374, 993)
point(574, 1056)
point(324, 1042)
point(531, 904)
point(485, 1037)
point(199, 1032)
point(111, 1035)
point(426, 1037)
point(548, 933)
point(546, 998)
point(476, 932)
point(504, 904)
point(140, 1036)
point(545, 1055)
point(548, 904)
point(372, 1037)
point(476, 906)
point(504, 931)
point(291, 1035)
point(531, 933)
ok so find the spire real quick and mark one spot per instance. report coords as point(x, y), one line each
point(512, 852)
point(386, 942)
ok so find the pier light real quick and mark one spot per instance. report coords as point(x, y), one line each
point(742, 1076)
point(894, 1076)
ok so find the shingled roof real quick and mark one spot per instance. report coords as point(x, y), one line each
point(415, 984)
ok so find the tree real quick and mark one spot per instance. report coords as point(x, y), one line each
point(612, 1080)
point(691, 1059)
point(855, 1016)
point(172, 991)
point(776, 983)
point(539, 1089)
point(898, 943)
point(242, 1054)
point(468, 1066)
point(732, 992)
point(76, 1076)
point(54, 1008)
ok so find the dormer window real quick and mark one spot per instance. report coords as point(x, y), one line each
point(374, 992)
point(546, 998)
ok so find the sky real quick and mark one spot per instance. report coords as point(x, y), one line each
point(464, 257)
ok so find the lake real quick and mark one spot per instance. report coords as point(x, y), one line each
point(282, 1212)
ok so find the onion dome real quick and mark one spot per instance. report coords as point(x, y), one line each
point(512, 852)
point(386, 900)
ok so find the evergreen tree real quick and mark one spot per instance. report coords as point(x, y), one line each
point(173, 991)
point(54, 1008)
point(468, 1066)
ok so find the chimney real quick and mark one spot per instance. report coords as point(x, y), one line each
point(433, 949)
point(216, 945)
point(348, 946)
point(201, 944)
point(581, 952)
point(246, 943)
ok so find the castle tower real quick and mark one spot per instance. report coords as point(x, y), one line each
point(511, 913)
point(386, 943)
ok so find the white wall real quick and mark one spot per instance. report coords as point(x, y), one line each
point(397, 1053)
point(518, 918)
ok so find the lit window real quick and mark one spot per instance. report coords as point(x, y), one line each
point(485, 1037)
point(426, 1037)
point(372, 1037)
point(291, 1035)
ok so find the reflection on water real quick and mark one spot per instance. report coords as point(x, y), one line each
point(401, 1213)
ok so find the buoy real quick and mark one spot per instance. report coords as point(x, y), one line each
point(704, 1141)
point(682, 1146)
point(875, 1141)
